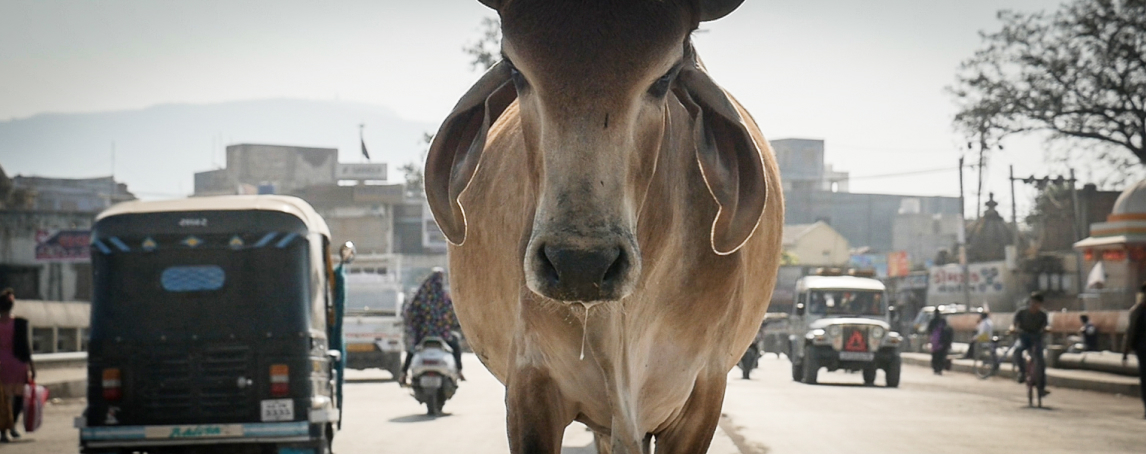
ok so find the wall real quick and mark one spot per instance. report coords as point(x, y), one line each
point(290, 168)
point(864, 219)
point(923, 235)
point(821, 245)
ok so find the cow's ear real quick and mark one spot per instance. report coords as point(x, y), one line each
point(456, 149)
point(716, 9)
point(730, 160)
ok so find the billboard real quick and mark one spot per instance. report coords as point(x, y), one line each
point(368, 171)
point(986, 279)
point(63, 245)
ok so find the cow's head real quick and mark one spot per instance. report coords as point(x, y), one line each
point(594, 80)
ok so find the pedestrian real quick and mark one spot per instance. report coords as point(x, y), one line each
point(1136, 339)
point(940, 344)
point(16, 367)
point(1089, 333)
point(1031, 323)
point(431, 313)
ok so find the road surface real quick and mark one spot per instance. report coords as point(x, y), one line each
point(953, 413)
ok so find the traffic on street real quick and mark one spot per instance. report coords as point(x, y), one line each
point(770, 413)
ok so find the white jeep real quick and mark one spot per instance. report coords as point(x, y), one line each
point(841, 322)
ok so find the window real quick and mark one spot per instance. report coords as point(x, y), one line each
point(198, 278)
point(43, 339)
point(67, 339)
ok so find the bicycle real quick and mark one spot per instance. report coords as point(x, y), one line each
point(1032, 381)
point(986, 358)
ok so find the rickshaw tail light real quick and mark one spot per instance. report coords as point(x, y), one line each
point(112, 384)
point(280, 380)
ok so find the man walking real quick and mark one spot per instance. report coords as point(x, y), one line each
point(1136, 339)
point(1031, 322)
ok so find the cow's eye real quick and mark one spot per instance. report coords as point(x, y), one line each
point(661, 87)
point(519, 81)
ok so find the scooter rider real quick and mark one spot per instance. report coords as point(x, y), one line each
point(430, 313)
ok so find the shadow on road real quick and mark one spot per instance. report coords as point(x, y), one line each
point(370, 380)
point(851, 385)
point(587, 449)
point(418, 418)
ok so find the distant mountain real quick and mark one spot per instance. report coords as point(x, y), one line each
point(158, 149)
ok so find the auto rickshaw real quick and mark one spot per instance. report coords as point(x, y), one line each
point(211, 328)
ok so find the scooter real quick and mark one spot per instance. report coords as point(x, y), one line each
point(434, 375)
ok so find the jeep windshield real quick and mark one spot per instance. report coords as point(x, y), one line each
point(846, 303)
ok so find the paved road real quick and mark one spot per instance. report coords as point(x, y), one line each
point(955, 413)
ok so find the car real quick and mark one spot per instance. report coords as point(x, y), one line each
point(842, 322)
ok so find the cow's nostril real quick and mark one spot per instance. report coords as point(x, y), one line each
point(617, 269)
point(546, 270)
point(580, 273)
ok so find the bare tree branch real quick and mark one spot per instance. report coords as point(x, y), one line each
point(1078, 72)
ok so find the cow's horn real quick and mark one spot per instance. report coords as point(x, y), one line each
point(709, 9)
point(495, 4)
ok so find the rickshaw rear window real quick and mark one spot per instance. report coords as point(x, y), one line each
point(198, 278)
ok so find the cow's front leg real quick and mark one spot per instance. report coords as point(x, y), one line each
point(692, 431)
point(536, 413)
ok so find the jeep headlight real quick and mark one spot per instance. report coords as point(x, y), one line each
point(877, 332)
point(834, 330)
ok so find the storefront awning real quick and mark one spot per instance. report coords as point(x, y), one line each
point(1100, 241)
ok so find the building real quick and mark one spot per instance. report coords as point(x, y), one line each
point(84, 195)
point(391, 228)
point(1114, 255)
point(814, 192)
point(45, 228)
point(815, 244)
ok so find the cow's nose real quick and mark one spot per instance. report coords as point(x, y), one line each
point(581, 274)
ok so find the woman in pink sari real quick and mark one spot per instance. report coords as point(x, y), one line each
point(16, 367)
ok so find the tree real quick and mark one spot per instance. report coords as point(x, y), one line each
point(1079, 73)
point(486, 51)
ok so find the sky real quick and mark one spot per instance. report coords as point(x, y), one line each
point(868, 77)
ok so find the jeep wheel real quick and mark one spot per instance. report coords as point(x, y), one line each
point(892, 373)
point(797, 371)
point(869, 375)
point(811, 366)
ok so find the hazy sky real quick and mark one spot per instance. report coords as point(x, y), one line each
point(866, 76)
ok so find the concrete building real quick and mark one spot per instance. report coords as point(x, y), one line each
point(1114, 256)
point(813, 192)
point(45, 226)
point(815, 244)
point(391, 228)
point(85, 195)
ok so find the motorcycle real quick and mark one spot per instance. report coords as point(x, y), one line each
point(434, 375)
point(749, 361)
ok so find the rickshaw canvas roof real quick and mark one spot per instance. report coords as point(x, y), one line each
point(286, 204)
point(842, 283)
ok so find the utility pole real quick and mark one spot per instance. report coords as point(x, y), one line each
point(962, 237)
point(1014, 211)
point(1076, 218)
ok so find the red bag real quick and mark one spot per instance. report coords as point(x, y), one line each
point(35, 397)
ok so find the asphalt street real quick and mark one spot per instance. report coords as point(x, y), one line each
point(953, 413)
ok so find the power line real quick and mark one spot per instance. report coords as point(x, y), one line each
point(897, 174)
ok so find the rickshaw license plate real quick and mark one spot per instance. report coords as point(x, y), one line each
point(857, 356)
point(430, 381)
point(278, 410)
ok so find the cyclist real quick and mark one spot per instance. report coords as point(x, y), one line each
point(1031, 322)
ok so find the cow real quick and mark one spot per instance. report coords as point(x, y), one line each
point(613, 219)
